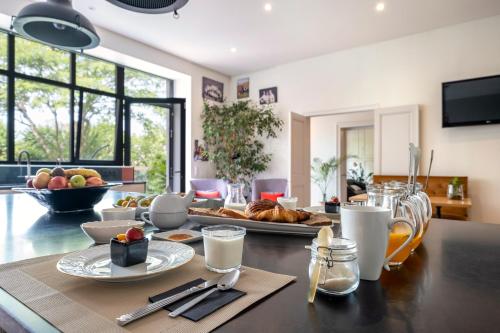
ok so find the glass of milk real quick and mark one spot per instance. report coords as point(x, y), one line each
point(223, 247)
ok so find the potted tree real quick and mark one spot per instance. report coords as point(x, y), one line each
point(233, 134)
point(322, 174)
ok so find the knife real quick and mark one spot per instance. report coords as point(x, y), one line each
point(153, 307)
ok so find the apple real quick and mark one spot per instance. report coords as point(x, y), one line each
point(134, 234)
point(77, 181)
point(334, 200)
point(57, 172)
point(57, 182)
point(46, 170)
point(29, 183)
point(41, 180)
point(94, 181)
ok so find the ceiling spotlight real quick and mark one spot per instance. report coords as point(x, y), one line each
point(233, 50)
point(380, 7)
point(268, 7)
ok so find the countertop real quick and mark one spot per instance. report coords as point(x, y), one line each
point(450, 284)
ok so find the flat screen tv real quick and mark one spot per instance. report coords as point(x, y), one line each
point(471, 102)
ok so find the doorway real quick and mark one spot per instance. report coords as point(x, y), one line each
point(356, 144)
point(156, 135)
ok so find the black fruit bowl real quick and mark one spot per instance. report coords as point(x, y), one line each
point(67, 200)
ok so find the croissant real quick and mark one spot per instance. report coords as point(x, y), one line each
point(232, 213)
point(258, 206)
point(280, 214)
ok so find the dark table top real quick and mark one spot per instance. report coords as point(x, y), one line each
point(450, 284)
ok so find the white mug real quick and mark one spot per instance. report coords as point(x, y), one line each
point(370, 228)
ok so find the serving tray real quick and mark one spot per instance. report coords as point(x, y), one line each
point(257, 226)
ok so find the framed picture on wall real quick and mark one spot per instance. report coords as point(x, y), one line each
point(243, 88)
point(212, 90)
point(268, 95)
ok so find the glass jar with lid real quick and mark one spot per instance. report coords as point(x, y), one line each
point(339, 270)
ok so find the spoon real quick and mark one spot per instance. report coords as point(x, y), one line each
point(325, 234)
point(429, 170)
point(226, 282)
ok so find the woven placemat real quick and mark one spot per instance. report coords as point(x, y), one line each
point(74, 304)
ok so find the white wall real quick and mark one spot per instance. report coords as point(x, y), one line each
point(405, 71)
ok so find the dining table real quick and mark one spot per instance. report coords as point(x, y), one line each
point(451, 283)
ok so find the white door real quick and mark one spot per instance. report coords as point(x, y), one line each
point(395, 129)
point(300, 159)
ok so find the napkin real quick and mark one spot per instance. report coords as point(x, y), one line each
point(209, 305)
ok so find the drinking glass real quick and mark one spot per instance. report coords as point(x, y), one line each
point(235, 198)
point(223, 246)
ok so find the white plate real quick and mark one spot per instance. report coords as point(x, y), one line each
point(95, 262)
point(266, 227)
point(196, 235)
point(321, 210)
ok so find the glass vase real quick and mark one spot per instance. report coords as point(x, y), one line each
point(235, 198)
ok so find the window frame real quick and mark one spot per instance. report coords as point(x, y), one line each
point(122, 148)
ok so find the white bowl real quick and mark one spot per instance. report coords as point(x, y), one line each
point(118, 213)
point(102, 231)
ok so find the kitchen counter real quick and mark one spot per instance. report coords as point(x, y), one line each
point(450, 284)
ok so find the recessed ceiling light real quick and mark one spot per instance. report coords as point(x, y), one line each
point(233, 50)
point(380, 7)
point(268, 7)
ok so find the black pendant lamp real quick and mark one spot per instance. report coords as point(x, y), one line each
point(151, 6)
point(56, 23)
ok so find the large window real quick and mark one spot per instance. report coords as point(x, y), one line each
point(3, 51)
point(149, 138)
point(95, 74)
point(98, 128)
point(3, 118)
point(68, 106)
point(39, 60)
point(42, 124)
point(141, 84)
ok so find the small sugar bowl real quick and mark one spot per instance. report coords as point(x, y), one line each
point(339, 271)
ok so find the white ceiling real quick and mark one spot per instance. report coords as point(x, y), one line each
point(293, 30)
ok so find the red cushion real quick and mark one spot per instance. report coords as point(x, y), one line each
point(207, 194)
point(271, 195)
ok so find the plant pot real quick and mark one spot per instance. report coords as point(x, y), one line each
point(455, 192)
point(332, 207)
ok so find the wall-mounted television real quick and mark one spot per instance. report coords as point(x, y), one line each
point(471, 102)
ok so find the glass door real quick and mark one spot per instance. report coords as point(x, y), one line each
point(155, 133)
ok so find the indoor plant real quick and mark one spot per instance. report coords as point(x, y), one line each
point(455, 189)
point(233, 132)
point(322, 173)
point(357, 173)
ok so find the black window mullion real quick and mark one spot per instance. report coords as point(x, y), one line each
point(72, 107)
point(120, 146)
point(11, 105)
point(79, 127)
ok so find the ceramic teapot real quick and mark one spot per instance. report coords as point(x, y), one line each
point(169, 210)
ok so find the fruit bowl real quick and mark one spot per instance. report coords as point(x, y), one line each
point(66, 200)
